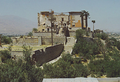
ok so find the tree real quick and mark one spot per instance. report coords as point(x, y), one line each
point(93, 24)
point(5, 55)
point(52, 19)
point(79, 33)
point(103, 36)
point(35, 30)
point(85, 47)
point(30, 34)
point(6, 40)
point(82, 22)
point(20, 70)
point(27, 53)
point(86, 14)
point(113, 39)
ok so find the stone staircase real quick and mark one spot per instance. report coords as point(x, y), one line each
point(70, 44)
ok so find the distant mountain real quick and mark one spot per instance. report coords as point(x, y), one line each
point(15, 25)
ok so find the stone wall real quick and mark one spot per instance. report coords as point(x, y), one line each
point(56, 40)
point(72, 33)
point(49, 54)
point(17, 54)
point(44, 40)
point(31, 41)
point(26, 41)
point(41, 56)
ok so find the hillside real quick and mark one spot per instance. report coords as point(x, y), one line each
point(15, 25)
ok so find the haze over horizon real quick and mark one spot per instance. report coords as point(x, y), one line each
point(106, 13)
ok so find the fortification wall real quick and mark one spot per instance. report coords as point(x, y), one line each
point(26, 41)
point(45, 40)
point(49, 54)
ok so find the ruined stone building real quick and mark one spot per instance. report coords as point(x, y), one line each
point(73, 20)
point(63, 25)
point(44, 21)
point(61, 20)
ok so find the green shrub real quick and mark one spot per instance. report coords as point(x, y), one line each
point(65, 67)
point(118, 44)
point(6, 40)
point(5, 55)
point(113, 39)
point(79, 33)
point(98, 35)
point(30, 34)
point(112, 68)
point(87, 34)
point(20, 71)
point(27, 53)
point(103, 36)
point(86, 49)
point(97, 67)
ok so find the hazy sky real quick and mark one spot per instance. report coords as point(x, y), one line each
point(106, 13)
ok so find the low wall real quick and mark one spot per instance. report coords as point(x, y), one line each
point(72, 33)
point(108, 79)
point(17, 54)
point(49, 54)
point(81, 79)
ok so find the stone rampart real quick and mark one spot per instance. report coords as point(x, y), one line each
point(44, 40)
point(49, 54)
